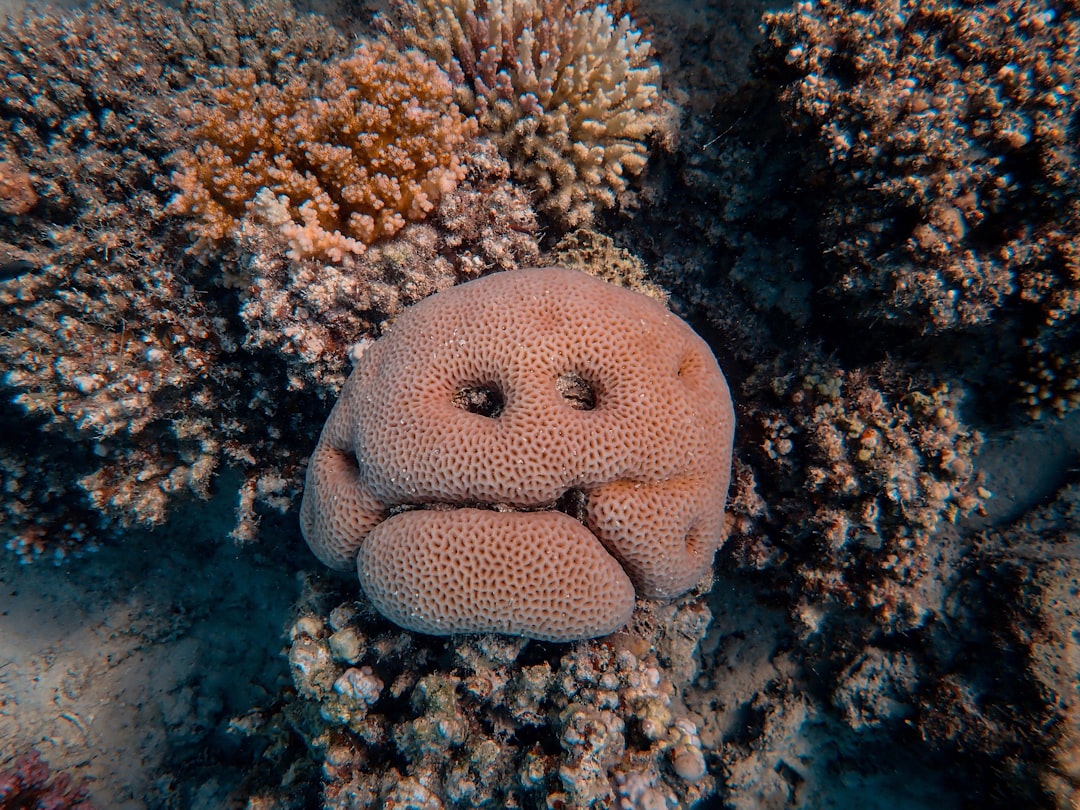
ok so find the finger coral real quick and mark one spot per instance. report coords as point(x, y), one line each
point(568, 90)
point(334, 167)
point(512, 446)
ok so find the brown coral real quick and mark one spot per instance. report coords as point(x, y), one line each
point(941, 140)
point(112, 346)
point(863, 474)
point(525, 390)
point(334, 167)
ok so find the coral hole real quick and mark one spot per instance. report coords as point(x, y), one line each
point(579, 393)
point(485, 399)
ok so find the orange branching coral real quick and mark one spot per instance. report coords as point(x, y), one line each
point(334, 167)
point(568, 90)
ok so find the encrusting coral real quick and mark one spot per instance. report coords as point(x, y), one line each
point(950, 174)
point(568, 90)
point(334, 166)
point(606, 413)
point(26, 782)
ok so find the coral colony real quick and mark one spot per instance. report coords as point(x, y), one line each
point(604, 404)
point(212, 212)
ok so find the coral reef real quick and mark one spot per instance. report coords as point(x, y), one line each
point(334, 165)
point(949, 176)
point(567, 90)
point(490, 721)
point(122, 352)
point(862, 470)
point(310, 313)
point(26, 782)
point(598, 441)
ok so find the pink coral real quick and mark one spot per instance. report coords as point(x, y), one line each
point(524, 391)
point(26, 784)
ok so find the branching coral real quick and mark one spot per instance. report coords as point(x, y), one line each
point(335, 166)
point(487, 721)
point(950, 174)
point(109, 342)
point(863, 473)
point(568, 90)
point(311, 313)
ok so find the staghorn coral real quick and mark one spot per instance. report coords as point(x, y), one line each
point(606, 412)
point(567, 90)
point(27, 783)
point(863, 470)
point(489, 721)
point(333, 166)
point(950, 177)
point(310, 313)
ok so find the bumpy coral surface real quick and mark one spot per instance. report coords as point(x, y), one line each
point(334, 166)
point(945, 140)
point(523, 391)
point(568, 90)
point(309, 313)
point(111, 344)
point(492, 722)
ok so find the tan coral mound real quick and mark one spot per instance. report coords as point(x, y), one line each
point(487, 412)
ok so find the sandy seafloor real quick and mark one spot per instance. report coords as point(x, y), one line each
point(134, 667)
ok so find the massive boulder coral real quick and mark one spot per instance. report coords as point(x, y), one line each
point(335, 165)
point(567, 89)
point(519, 454)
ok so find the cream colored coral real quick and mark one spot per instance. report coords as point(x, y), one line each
point(568, 89)
point(507, 442)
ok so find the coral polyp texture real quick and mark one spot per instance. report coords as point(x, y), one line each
point(946, 149)
point(864, 471)
point(334, 166)
point(568, 90)
point(520, 454)
point(113, 344)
